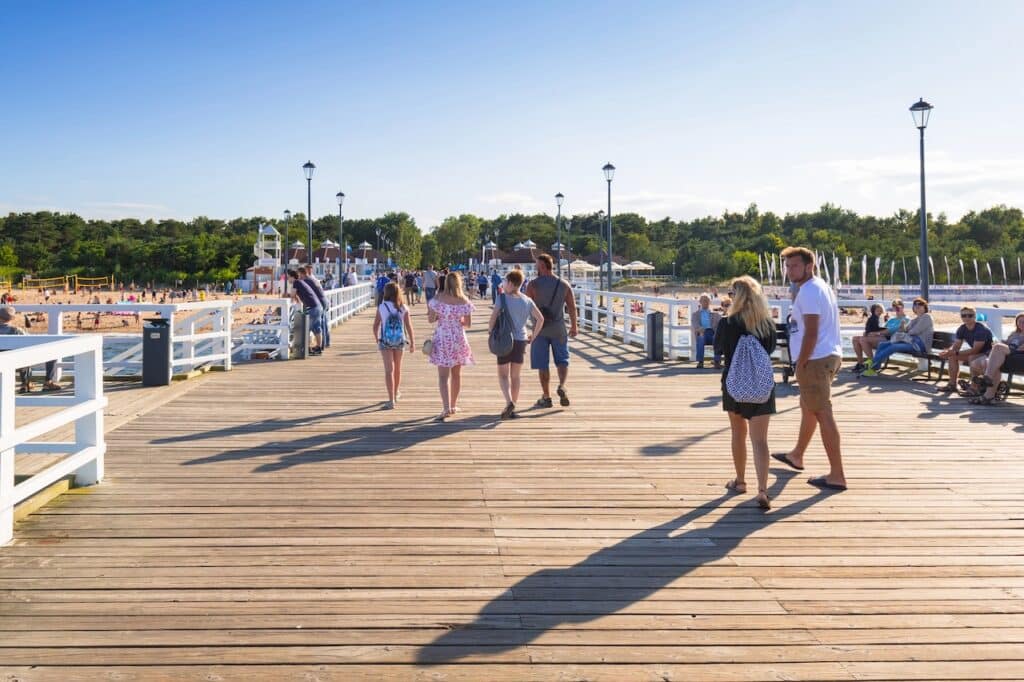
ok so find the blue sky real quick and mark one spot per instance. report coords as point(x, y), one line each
point(159, 109)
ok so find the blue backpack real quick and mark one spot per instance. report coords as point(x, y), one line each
point(393, 334)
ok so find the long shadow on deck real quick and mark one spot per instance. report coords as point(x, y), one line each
point(726, 533)
point(360, 441)
point(265, 425)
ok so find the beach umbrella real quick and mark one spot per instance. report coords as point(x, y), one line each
point(949, 279)
point(963, 276)
point(988, 266)
point(977, 277)
point(1003, 262)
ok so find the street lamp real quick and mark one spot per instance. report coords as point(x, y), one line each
point(340, 196)
point(568, 260)
point(921, 111)
point(673, 269)
point(609, 173)
point(284, 251)
point(307, 169)
point(559, 198)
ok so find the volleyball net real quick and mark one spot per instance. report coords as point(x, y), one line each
point(92, 282)
point(45, 282)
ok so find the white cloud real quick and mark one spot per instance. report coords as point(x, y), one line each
point(954, 186)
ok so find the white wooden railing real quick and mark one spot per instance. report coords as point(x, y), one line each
point(273, 337)
point(82, 456)
point(611, 314)
point(200, 332)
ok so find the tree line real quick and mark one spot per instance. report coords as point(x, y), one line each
point(46, 244)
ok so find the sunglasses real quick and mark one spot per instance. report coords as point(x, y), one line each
point(732, 293)
point(966, 315)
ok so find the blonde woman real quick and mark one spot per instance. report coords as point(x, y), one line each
point(453, 313)
point(748, 314)
point(392, 329)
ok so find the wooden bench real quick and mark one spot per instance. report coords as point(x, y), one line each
point(940, 341)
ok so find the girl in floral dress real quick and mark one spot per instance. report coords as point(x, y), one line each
point(452, 312)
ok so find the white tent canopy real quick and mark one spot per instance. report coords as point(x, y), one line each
point(638, 265)
point(583, 266)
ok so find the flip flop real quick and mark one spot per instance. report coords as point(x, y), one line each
point(821, 482)
point(784, 458)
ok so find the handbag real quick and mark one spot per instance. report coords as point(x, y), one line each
point(428, 346)
point(501, 340)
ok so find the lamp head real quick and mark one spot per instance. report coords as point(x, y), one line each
point(340, 196)
point(307, 169)
point(559, 198)
point(921, 111)
point(609, 171)
point(287, 215)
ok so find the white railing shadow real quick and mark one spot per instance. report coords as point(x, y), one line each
point(82, 456)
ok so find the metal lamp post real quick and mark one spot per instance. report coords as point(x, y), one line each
point(609, 173)
point(673, 269)
point(559, 198)
point(568, 261)
point(308, 168)
point(921, 111)
point(284, 250)
point(377, 230)
point(340, 196)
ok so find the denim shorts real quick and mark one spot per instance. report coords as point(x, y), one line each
point(540, 355)
point(316, 320)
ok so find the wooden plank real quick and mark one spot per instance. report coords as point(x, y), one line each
point(239, 536)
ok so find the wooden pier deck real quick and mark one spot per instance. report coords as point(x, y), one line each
point(273, 523)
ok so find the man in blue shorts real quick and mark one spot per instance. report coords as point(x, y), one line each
point(303, 294)
point(554, 298)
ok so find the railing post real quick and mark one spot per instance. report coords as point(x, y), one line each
point(7, 398)
point(609, 317)
point(673, 321)
point(55, 327)
point(89, 429)
point(226, 321)
point(284, 331)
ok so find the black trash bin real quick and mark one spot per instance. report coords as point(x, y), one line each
point(156, 352)
point(655, 341)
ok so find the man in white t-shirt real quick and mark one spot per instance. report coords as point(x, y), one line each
point(814, 337)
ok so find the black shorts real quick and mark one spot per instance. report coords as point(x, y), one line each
point(516, 355)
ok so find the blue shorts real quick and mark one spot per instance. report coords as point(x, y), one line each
point(316, 320)
point(540, 356)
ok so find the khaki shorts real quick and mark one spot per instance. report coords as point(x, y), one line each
point(816, 382)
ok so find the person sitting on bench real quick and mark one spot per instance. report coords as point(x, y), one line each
point(978, 339)
point(917, 338)
point(704, 322)
point(990, 368)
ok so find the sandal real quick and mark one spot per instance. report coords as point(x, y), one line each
point(51, 386)
point(981, 400)
point(763, 501)
point(736, 487)
point(948, 388)
point(508, 411)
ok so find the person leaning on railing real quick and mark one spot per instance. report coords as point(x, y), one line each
point(7, 314)
point(916, 338)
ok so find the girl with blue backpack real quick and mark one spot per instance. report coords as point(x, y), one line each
point(746, 339)
point(392, 329)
